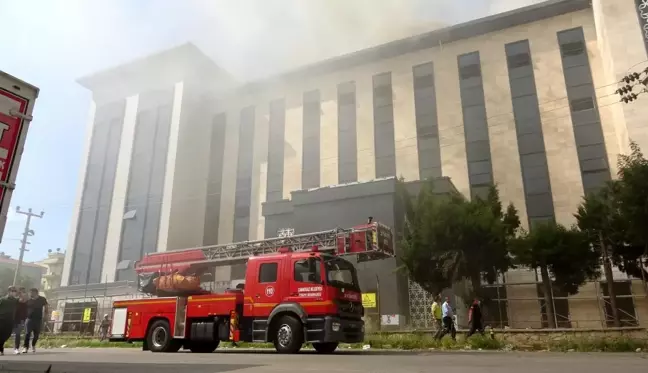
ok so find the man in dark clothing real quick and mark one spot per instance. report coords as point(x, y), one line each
point(19, 320)
point(36, 306)
point(7, 315)
point(475, 318)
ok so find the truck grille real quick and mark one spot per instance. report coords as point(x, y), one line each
point(349, 309)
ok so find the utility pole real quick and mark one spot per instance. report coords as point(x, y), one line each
point(23, 243)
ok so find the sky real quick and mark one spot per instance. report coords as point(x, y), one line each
point(52, 43)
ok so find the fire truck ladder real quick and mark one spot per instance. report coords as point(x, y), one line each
point(241, 251)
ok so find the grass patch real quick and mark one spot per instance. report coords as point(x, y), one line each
point(412, 341)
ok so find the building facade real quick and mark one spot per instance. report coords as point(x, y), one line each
point(181, 155)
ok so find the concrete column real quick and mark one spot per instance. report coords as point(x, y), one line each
point(122, 173)
point(329, 136)
point(74, 221)
point(406, 145)
point(294, 131)
point(174, 132)
point(365, 128)
point(450, 116)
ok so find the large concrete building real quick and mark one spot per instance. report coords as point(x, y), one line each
point(179, 154)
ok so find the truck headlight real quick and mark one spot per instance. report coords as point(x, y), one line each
point(335, 326)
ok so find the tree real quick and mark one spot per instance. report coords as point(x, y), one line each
point(599, 218)
point(561, 253)
point(631, 193)
point(7, 277)
point(448, 239)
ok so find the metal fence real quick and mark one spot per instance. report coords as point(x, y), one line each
point(521, 305)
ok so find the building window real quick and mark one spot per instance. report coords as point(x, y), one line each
point(215, 179)
point(624, 301)
point(347, 136)
point(588, 134)
point(383, 115)
point(243, 195)
point(480, 175)
point(561, 308)
point(311, 140)
point(427, 130)
point(276, 141)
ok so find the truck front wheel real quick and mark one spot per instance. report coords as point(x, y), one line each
point(325, 347)
point(160, 339)
point(288, 335)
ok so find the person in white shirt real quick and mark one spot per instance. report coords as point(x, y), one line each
point(448, 320)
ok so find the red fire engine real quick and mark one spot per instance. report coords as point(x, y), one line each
point(298, 289)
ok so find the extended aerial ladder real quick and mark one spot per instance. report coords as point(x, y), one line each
point(368, 241)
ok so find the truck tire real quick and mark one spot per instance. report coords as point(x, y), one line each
point(203, 347)
point(288, 335)
point(325, 347)
point(160, 339)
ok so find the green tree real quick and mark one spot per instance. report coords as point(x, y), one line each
point(631, 194)
point(448, 239)
point(561, 253)
point(600, 219)
point(7, 277)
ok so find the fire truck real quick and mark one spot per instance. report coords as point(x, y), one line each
point(298, 289)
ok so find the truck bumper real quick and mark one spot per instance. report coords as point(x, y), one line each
point(343, 330)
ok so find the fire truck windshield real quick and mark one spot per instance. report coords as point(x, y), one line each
point(341, 274)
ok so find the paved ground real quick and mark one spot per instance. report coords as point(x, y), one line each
point(134, 361)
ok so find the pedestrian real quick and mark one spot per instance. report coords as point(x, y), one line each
point(448, 320)
point(7, 315)
point(36, 306)
point(437, 315)
point(19, 320)
point(103, 327)
point(475, 318)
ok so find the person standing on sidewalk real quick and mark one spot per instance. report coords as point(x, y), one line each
point(7, 315)
point(448, 320)
point(475, 318)
point(19, 320)
point(36, 306)
point(437, 315)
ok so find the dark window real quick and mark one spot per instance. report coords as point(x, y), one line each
point(581, 104)
point(624, 301)
point(519, 60)
point(311, 140)
point(383, 115)
point(469, 71)
point(276, 139)
point(347, 137)
point(495, 306)
point(561, 308)
point(588, 133)
point(308, 270)
point(573, 48)
point(533, 159)
point(268, 272)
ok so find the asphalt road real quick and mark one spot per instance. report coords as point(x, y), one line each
point(135, 361)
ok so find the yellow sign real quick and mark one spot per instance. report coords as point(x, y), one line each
point(369, 300)
point(86, 315)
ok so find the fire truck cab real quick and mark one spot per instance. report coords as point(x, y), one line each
point(293, 295)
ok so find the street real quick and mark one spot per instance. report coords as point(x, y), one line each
point(131, 361)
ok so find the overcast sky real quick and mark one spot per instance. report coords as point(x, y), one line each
point(51, 43)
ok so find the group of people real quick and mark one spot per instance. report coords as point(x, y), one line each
point(444, 317)
point(20, 310)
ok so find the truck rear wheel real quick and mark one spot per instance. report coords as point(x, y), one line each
point(203, 347)
point(160, 339)
point(325, 347)
point(288, 335)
